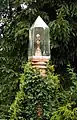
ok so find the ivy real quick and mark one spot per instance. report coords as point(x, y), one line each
point(36, 97)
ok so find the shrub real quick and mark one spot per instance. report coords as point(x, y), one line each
point(36, 98)
point(65, 113)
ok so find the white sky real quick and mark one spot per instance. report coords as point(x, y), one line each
point(23, 6)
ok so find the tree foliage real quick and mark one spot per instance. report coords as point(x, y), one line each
point(65, 113)
point(15, 21)
point(68, 110)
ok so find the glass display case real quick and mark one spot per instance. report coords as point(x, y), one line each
point(39, 39)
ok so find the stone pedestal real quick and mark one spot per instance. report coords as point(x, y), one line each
point(40, 63)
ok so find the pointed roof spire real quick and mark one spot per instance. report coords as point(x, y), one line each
point(39, 23)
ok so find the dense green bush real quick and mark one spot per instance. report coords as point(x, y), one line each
point(65, 113)
point(43, 97)
point(68, 110)
point(73, 86)
point(36, 98)
point(9, 85)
